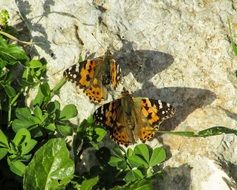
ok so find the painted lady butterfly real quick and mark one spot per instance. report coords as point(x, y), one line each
point(131, 118)
point(95, 76)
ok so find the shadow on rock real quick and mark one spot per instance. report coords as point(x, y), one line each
point(230, 114)
point(143, 64)
point(185, 100)
point(41, 40)
point(175, 178)
point(230, 169)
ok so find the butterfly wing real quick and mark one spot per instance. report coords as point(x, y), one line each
point(149, 114)
point(115, 73)
point(82, 73)
point(113, 117)
point(94, 76)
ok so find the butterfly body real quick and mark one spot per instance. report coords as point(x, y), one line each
point(131, 118)
point(95, 76)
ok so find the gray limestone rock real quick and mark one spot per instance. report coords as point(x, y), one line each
point(176, 51)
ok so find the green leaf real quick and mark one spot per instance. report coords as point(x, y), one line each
point(43, 95)
point(142, 149)
point(90, 120)
point(19, 124)
point(34, 64)
point(215, 131)
point(3, 145)
point(3, 63)
point(142, 184)
point(133, 175)
point(88, 184)
point(11, 52)
point(158, 156)
point(137, 161)
point(3, 152)
point(22, 135)
point(23, 113)
point(38, 113)
point(65, 130)
point(9, 91)
point(58, 86)
point(55, 167)
point(53, 107)
point(51, 127)
point(23, 139)
point(218, 130)
point(4, 17)
point(17, 167)
point(116, 151)
point(25, 119)
point(45, 89)
point(28, 146)
point(69, 111)
point(129, 152)
point(3, 140)
point(101, 133)
point(39, 98)
point(114, 161)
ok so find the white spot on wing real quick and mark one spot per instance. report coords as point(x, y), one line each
point(160, 104)
point(77, 69)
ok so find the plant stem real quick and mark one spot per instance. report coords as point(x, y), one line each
point(9, 114)
point(14, 38)
point(58, 86)
point(15, 98)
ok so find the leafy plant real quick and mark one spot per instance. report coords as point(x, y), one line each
point(17, 75)
point(138, 163)
point(42, 120)
point(4, 17)
point(17, 150)
point(46, 119)
point(55, 167)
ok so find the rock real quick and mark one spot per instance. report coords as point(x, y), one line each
point(177, 51)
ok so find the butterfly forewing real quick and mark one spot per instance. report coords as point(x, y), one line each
point(107, 114)
point(156, 111)
point(150, 114)
point(115, 73)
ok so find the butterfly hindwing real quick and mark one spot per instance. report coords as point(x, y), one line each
point(122, 134)
point(111, 115)
point(96, 93)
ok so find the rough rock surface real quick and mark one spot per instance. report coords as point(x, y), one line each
point(176, 51)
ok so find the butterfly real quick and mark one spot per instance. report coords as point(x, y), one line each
point(95, 76)
point(131, 118)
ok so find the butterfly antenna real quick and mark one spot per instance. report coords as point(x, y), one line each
point(99, 42)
